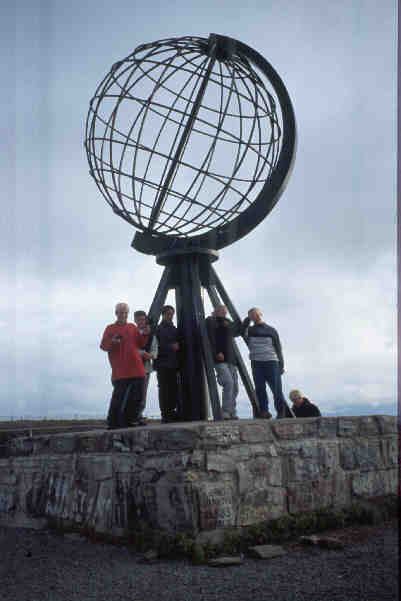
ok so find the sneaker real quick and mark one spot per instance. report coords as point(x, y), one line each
point(234, 416)
point(226, 415)
point(265, 415)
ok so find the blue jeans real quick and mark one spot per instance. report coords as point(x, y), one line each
point(268, 372)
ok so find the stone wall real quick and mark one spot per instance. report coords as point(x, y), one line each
point(197, 476)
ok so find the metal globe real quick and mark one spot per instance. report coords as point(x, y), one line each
point(188, 136)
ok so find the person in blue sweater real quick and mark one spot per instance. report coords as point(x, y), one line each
point(266, 361)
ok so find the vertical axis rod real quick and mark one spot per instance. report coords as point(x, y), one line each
point(181, 145)
point(205, 344)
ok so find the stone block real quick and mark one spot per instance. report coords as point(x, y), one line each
point(219, 462)
point(7, 499)
point(62, 444)
point(96, 442)
point(348, 426)
point(328, 459)
point(387, 424)
point(164, 461)
point(265, 471)
point(220, 434)
point(244, 479)
point(101, 518)
point(369, 426)
point(262, 505)
point(266, 551)
point(293, 429)
point(327, 427)
point(82, 501)
point(124, 463)
point(363, 454)
point(174, 439)
point(7, 474)
point(217, 508)
point(389, 451)
point(373, 484)
point(250, 433)
point(94, 467)
point(226, 560)
point(167, 505)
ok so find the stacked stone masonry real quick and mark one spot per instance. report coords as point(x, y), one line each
point(196, 476)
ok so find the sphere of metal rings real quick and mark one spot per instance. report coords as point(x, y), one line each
point(191, 138)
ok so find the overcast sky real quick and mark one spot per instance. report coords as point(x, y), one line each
point(321, 266)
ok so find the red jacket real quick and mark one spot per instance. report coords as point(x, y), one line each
point(124, 357)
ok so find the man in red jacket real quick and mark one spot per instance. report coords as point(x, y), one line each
point(122, 341)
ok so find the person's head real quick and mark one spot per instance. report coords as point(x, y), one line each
point(220, 311)
point(121, 311)
point(255, 314)
point(168, 313)
point(140, 319)
point(296, 397)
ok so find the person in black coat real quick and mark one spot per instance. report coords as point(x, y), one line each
point(167, 365)
point(302, 407)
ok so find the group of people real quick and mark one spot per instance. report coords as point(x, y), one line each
point(136, 350)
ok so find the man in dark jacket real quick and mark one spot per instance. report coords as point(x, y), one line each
point(167, 365)
point(221, 331)
point(302, 406)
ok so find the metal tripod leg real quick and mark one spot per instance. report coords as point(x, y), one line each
point(160, 296)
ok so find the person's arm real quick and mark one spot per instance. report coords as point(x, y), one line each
point(107, 343)
point(140, 340)
point(315, 411)
point(154, 347)
point(236, 328)
point(211, 332)
point(245, 327)
point(277, 346)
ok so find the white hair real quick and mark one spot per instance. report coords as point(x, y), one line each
point(120, 306)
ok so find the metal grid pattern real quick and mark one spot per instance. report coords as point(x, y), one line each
point(181, 138)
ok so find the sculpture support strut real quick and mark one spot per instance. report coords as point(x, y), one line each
point(187, 271)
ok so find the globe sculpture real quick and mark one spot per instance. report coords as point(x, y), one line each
point(191, 141)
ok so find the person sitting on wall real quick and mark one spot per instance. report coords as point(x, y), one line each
point(221, 332)
point(302, 407)
point(167, 365)
point(122, 341)
point(148, 353)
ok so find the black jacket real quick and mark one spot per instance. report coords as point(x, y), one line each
point(167, 334)
point(221, 332)
point(307, 409)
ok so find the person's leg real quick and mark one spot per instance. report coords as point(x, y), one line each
point(133, 401)
point(273, 376)
point(162, 383)
point(234, 373)
point(125, 408)
point(259, 379)
point(144, 393)
point(113, 416)
point(225, 379)
point(172, 395)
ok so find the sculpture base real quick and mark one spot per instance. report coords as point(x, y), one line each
point(196, 477)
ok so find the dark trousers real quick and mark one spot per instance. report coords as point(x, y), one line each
point(144, 394)
point(125, 402)
point(167, 381)
point(268, 372)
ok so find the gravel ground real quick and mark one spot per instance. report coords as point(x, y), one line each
point(44, 566)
